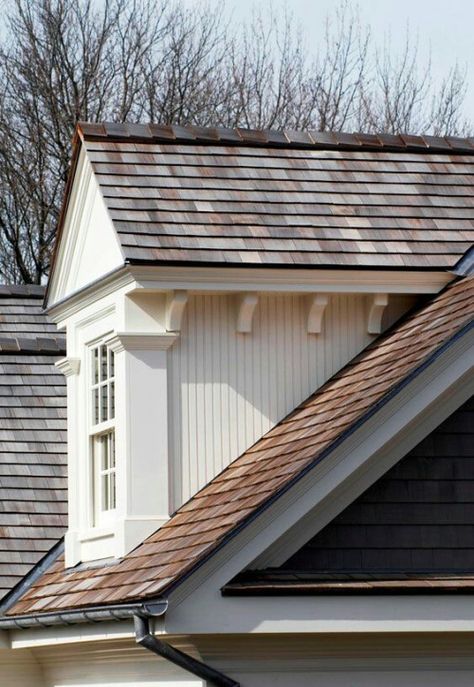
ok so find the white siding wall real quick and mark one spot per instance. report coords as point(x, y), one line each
point(227, 389)
point(286, 661)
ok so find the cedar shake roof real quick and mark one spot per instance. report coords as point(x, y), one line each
point(186, 195)
point(264, 471)
point(32, 434)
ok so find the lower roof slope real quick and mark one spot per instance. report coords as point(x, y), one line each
point(33, 497)
point(188, 195)
point(264, 470)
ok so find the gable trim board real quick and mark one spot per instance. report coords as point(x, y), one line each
point(89, 248)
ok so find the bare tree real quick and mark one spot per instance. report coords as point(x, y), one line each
point(157, 60)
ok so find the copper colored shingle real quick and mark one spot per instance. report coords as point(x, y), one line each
point(276, 460)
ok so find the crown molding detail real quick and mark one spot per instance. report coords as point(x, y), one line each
point(317, 307)
point(141, 341)
point(69, 366)
point(377, 308)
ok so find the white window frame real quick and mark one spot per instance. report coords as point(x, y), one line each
point(101, 430)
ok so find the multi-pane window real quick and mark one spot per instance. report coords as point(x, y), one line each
point(103, 431)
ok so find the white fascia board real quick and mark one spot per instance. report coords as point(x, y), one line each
point(230, 279)
point(238, 280)
point(71, 634)
point(335, 614)
point(197, 606)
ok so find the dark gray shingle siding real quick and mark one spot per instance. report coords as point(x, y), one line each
point(418, 518)
point(33, 497)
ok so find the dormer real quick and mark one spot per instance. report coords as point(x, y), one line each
point(208, 282)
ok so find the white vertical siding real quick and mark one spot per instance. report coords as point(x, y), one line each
point(227, 389)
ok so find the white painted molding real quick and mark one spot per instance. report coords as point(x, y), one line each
point(246, 304)
point(377, 308)
point(175, 305)
point(254, 279)
point(141, 341)
point(69, 366)
point(317, 306)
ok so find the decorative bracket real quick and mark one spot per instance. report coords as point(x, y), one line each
point(246, 305)
point(317, 307)
point(175, 305)
point(377, 308)
point(141, 341)
point(69, 366)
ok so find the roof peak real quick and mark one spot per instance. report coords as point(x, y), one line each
point(325, 140)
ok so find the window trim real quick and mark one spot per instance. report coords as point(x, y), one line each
point(98, 516)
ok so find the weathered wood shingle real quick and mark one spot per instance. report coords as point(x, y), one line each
point(32, 434)
point(221, 196)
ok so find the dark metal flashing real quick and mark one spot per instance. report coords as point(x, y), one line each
point(465, 266)
point(282, 266)
point(30, 578)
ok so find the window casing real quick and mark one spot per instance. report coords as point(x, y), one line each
point(102, 433)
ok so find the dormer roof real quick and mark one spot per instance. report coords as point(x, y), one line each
point(194, 196)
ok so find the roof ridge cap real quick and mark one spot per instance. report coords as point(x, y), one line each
point(321, 140)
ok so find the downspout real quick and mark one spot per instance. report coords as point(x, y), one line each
point(146, 639)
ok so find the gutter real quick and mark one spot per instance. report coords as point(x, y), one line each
point(92, 614)
point(157, 646)
point(141, 614)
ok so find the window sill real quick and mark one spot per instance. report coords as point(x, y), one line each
point(96, 533)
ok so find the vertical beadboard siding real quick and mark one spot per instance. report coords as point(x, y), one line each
point(227, 389)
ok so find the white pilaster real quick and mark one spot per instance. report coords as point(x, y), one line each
point(141, 435)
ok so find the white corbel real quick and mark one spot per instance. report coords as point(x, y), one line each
point(246, 304)
point(69, 366)
point(175, 305)
point(377, 308)
point(316, 308)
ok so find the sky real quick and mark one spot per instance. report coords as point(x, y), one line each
point(444, 28)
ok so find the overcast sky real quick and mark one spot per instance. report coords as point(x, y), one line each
point(443, 26)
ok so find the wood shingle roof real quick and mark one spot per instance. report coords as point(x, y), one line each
point(187, 195)
point(33, 499)
point(266, 469)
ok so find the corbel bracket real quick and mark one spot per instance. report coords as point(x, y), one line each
point(317, 306)
point(377, 308)
point(246, 304)
point(69, 366)
point(175, 305)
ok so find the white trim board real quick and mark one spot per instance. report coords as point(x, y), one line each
point(197, 606)
point(284, 279)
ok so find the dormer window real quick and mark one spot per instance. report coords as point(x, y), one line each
point(102, 432)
